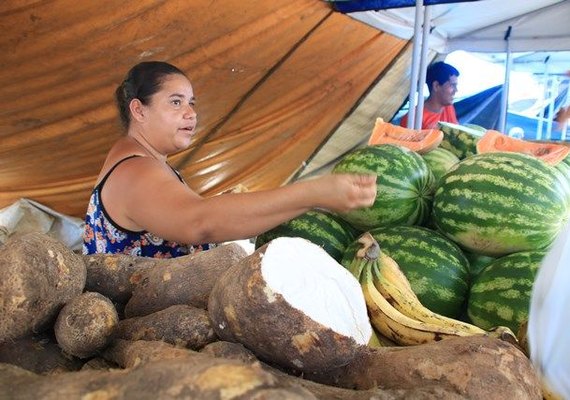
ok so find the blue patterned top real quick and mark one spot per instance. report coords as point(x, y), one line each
point(103, 235)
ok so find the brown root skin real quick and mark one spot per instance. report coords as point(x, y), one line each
point(98, 364)
point(110, 274)
point(181, 325)
point(475, 367)
point(86, 324)
point(143, 352)
point(39, 354)
point(129, 354)
point(522, 337)
point(234, 351)
point(212, 378)
point(38, 275)
point(243, 309)
point(182, 280)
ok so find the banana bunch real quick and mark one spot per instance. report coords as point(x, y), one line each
point(395, 310)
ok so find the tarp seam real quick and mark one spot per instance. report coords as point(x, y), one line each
point(188, 156)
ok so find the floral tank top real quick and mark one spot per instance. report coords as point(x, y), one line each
point(102, 235)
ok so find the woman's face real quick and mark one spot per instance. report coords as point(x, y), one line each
point(170, 118)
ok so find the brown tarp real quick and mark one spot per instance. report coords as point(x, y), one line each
point(272, 79)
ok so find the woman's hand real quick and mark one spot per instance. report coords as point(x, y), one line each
point(345, 192)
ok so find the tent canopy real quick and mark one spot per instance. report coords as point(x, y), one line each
point(283, 89)
point(480, 26)
point(271, 82)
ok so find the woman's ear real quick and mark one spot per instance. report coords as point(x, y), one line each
point(137, 110)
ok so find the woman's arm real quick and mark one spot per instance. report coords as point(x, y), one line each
point(155, 200)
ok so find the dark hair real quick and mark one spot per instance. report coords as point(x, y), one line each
point(142, 81)
point(440, 72)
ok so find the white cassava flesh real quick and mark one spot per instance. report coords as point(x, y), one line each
point(313, 282)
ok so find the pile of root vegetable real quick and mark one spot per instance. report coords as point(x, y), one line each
point(286, 322)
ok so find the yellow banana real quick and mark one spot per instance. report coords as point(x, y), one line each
point(396, 326)
point(422, 325)
point(379, 340)
point(395, 287)
point(390, 270)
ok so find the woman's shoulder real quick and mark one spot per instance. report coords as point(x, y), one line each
point(129, 158)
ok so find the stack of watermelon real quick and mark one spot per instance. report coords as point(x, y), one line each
point(468, 230)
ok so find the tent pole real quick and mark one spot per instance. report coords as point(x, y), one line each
point(566, 103)
point(415, 62)
point(423, 68)
point(505, 95)
point(553, 91)
point(542, 115)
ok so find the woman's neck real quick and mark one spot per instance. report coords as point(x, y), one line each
point(141, 142)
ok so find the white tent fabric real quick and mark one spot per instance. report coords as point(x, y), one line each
point(480, 26)
point(25, 216)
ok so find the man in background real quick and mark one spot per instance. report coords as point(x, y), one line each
point(441, 79)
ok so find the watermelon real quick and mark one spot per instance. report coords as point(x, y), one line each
point(495, 204)
point(477, 262)
point(404, 183)
point(322, 228)
point(476, 127)
point(500, 295)
point(460, 140)
point(436, 267)
point(564, 168)
point(440, 161)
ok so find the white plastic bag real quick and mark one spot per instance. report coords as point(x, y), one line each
point(549, 317)
point(26, 216)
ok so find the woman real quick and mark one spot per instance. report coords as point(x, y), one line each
point(141, 206)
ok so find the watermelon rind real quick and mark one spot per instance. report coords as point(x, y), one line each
point(436, 268)
point(500, 294)
point(476, 127)
point(320, 227)
point(459, 139)
point(404, 186)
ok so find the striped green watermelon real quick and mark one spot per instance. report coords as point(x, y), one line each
point(405, 186)
point(460, 140)
point(440, 160)
point(477, 262)
point(564, 168)
point(435, 266)
point(322, 228)
point(500, 295)
point(500, 203)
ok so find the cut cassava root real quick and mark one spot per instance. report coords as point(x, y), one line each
point(292, 304)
